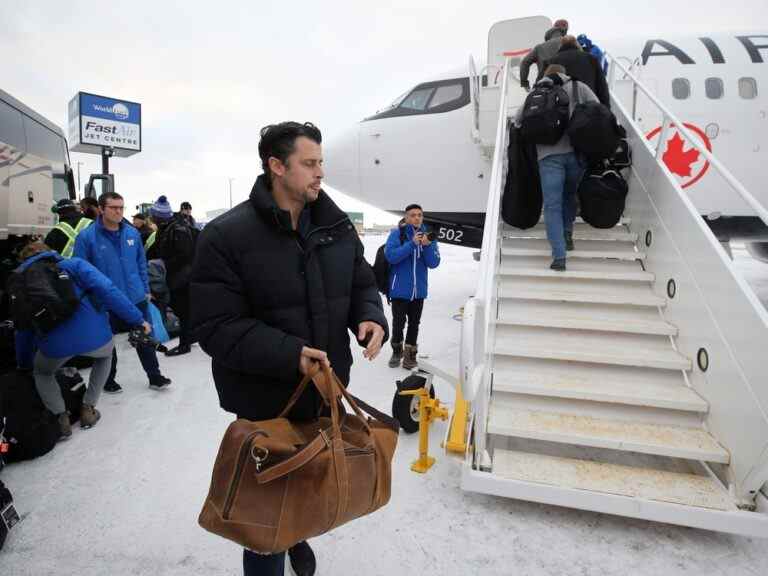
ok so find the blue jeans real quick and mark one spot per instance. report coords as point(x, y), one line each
point(560, 177)
point(263, 564)
point(147, 355)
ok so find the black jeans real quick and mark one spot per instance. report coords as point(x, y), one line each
point(180, 305)
point(410, 310)
point(263, 564)
point(147, 356)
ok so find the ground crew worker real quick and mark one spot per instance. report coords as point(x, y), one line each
point(71, 223)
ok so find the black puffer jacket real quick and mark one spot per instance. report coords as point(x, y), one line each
point(175, 245)
point(584, 67)
point(260, 293)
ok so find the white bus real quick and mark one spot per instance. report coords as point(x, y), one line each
point(35, 172)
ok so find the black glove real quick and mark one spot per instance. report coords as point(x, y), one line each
point(138, 338)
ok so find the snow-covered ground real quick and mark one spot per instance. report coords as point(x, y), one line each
point(123, 498)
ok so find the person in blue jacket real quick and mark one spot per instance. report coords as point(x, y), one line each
point(591, 48)
point(409, 253)
point(86, 333)
point(114, 246)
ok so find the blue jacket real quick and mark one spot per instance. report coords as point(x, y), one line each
point(408, 263)
point(125, 265)
point(88, 328)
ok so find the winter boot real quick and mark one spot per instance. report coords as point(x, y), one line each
point(112, 388)
point(179, 350)
point(558, 265)
point(409, 357)
point(302, 559)
point(64, 426)
point(569, 240)
point(89, 416)
point(397, 354)
point(159, 382)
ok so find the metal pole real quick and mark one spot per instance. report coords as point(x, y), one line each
point(104, 161)
point(78, 177)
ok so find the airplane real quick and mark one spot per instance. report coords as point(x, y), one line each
point(433, 145)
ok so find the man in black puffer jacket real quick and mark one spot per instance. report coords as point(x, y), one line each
point(278, 282)
point(582, 66)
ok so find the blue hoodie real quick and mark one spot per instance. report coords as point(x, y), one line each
point(88, 328)
point(118, 255)
point(408, 263)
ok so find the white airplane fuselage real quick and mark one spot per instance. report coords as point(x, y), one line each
point(424, 147)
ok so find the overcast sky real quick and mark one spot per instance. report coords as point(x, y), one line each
point(210, 75)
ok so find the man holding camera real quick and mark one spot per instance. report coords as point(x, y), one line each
point(410, 251)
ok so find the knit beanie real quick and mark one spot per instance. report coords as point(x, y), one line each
point(161, 210)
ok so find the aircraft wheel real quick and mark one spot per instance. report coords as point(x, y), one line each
point(406, 408)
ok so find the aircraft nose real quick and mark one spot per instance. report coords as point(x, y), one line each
point(341, 162)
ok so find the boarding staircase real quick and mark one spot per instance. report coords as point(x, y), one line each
point(634, 383)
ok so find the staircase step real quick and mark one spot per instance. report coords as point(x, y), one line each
point(584, 316)
point(642, 483)
point(664, 389)
point(554, 289)
point(639, 350)
point(580, 252)
point(662, 440)
point(579, 222)
point(638, 275)
point(579, 234)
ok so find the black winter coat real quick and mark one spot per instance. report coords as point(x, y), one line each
point(584, 67)
point(175, 245)
point(260, 293)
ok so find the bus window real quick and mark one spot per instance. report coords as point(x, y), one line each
point(11, 127)
point(42, 142)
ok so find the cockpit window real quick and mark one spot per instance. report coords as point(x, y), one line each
point(417, 100)
point(429, 98)
point(445, 94)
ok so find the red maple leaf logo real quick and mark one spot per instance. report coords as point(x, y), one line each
point(678, 161)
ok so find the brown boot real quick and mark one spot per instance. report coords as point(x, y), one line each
point(397, 354)
point(64, 426)
point(409, 357)
point(89, 416)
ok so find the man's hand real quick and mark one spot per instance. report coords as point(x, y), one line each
point(147, 327)
point(309, 356)
point(373, 335)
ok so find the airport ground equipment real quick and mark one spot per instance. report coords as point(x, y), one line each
point(430, 410)
point(635, 382)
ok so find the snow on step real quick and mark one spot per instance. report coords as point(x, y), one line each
point(594, 249)
point(671, 441)
point(611, 384)
point(584, 316)
point(584, 234)
point(595, 291)
point(594, 347)
point(642, 483)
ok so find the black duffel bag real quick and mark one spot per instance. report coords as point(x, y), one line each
point(602, 195)
point(593, 129)
point(30, 429)
point(522, 200)
point(8, 515)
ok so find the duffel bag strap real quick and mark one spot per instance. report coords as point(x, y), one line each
point(314, 371)
point(311, 450)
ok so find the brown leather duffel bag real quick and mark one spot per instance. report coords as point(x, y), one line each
point(278, 482)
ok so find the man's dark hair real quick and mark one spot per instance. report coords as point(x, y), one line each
point(186, 206)
point(412, 206)
point(278, 141)
point(88, 201)
point(108, 196)
point(140, 216)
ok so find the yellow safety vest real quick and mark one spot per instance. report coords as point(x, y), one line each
point(150, 241)
point(71, 234)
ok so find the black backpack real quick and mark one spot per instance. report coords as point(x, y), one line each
point(381, 266)
point(545, 112)
point(8, 515)
point(30, 429)
point(593, 129)
point(602, 195)
point(42, 296)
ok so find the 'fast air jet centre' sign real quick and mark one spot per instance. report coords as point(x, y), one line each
point(97, 122)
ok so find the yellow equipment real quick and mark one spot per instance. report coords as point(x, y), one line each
point(429, 410)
